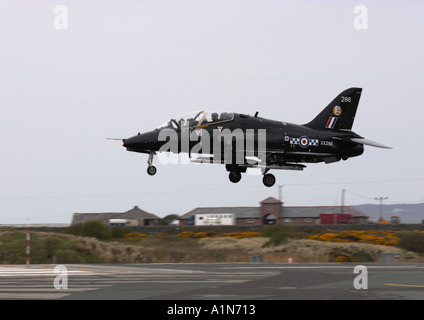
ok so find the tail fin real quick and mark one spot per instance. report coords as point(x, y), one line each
point(340, 113)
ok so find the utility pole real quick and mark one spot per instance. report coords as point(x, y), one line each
point(28, 244)
point(343, 200)
point(380, 220)
point(280, 193)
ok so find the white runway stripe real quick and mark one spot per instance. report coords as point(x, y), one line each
point(16, 271)
point(38, 283)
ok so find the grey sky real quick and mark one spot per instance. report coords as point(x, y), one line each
point(128, 66)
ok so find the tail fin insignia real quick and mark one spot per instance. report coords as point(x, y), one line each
point(340, 113)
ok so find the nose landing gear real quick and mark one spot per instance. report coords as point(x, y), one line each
point(151, 170)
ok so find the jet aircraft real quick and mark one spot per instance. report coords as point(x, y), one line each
point(242, 141)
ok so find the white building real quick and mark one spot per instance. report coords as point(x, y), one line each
point(214, 219)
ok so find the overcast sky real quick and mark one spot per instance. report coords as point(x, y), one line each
point(122, 67)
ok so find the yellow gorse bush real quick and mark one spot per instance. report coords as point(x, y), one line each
point(212, 234)
point(379, 237)
point(386, 238)
point(135, 235)
point(246, 234)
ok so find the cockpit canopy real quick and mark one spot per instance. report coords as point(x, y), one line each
point(196, 119)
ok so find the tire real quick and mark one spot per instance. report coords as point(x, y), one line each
point(151, 170)
point(268, 180)
point(234, 176)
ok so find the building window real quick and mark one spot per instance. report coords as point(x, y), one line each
point(250, 220)
point(287, 220)
point(309, 220)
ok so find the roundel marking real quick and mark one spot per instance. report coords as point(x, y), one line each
point(304, 141)
point(337, 110)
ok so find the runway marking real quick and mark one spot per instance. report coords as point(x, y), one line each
point(37, 296)
point(16, 272)
point(47, 289)
point(330, 267)
point(404, 285)
point(227, 280)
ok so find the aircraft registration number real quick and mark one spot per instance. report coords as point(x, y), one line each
point(327, 143)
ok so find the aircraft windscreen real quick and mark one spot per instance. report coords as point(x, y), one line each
point(197, 118)
point(215, 117)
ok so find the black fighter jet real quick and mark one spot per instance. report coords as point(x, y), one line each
point(241, 141)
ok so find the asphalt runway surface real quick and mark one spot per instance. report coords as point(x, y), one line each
point(213, 281)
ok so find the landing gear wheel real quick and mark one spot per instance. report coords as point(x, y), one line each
point(151, 170)
point(234, 176)
point(268, 180)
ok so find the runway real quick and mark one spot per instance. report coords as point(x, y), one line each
point(213, 281)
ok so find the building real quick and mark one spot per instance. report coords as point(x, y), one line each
point(134, 217)
point(220, 219)
point(271, 211)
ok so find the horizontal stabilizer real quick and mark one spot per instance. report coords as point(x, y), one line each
point(370, 143)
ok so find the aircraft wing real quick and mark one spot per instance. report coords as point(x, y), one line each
point(252, 162)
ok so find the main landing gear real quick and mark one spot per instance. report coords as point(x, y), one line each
point(268, 180)
point(151, 170)
point(235, 176)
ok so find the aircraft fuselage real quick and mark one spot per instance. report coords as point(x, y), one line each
point(290, 142)
point(241, 141)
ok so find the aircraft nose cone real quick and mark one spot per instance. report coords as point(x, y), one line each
point(140, 142)
point(131, 143)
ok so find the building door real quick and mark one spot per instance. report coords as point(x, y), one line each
point(269, 219)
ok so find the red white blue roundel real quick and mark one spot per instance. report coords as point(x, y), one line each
point(304, 141)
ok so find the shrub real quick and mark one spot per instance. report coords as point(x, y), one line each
point(228, 234)
point(45, 247)
point(246, 234)
point(373, 237)
point(75, 229)
point(119, 232)
point(353, 254)
point(412, 241)
point(162, 235)
point(169, 219)
point(135, 235)
point(186, 234)
point(96, 229)
point(277, 234)
point(68, 256)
